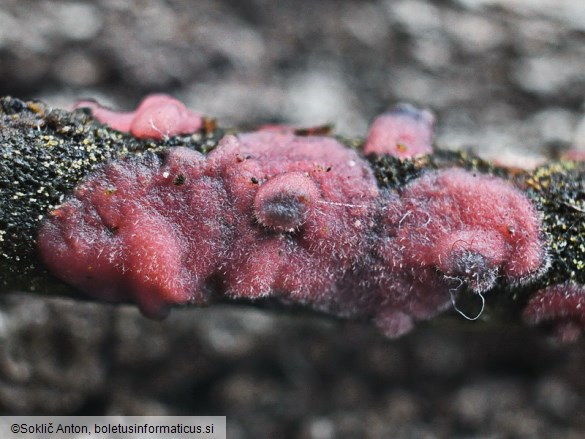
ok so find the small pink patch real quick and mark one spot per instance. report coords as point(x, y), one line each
point(563, 306)
point(403, 132)
point(157, 117)
point(577, 155)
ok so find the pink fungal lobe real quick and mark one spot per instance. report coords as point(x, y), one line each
point(157, 117)
point(464, 223)
point(562, 306)
point(404, 131)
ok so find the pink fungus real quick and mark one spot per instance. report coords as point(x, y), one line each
point(163, 233)
point(130, 232)
point(299, 217)
point(403, 132)
point(577, 155)
point(470, 226)
point(451, 230)
point(313, 185)
point(157, 117)
point(562, 306)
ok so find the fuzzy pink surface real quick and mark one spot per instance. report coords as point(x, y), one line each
point(449, 231)
point(301, 218)
point(404, 131)
point(562, 307)
point(165, 234)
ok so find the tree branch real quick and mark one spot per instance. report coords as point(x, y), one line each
point(284, 215)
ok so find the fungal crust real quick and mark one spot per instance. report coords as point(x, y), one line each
point(298, 217)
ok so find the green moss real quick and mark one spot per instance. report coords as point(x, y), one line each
point(558, 190)
point(392, 172)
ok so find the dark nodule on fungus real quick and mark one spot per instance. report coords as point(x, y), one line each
point(285, 202)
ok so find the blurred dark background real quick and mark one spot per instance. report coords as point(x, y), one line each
point(506, 79)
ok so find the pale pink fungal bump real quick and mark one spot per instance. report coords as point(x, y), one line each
point(156, 117)
point(561, 306)
point(466, 223)
point(153, 263)
point(394, 323)
point(120, 121)
point(315, 183)
point(130, 232)
point(403, 132)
